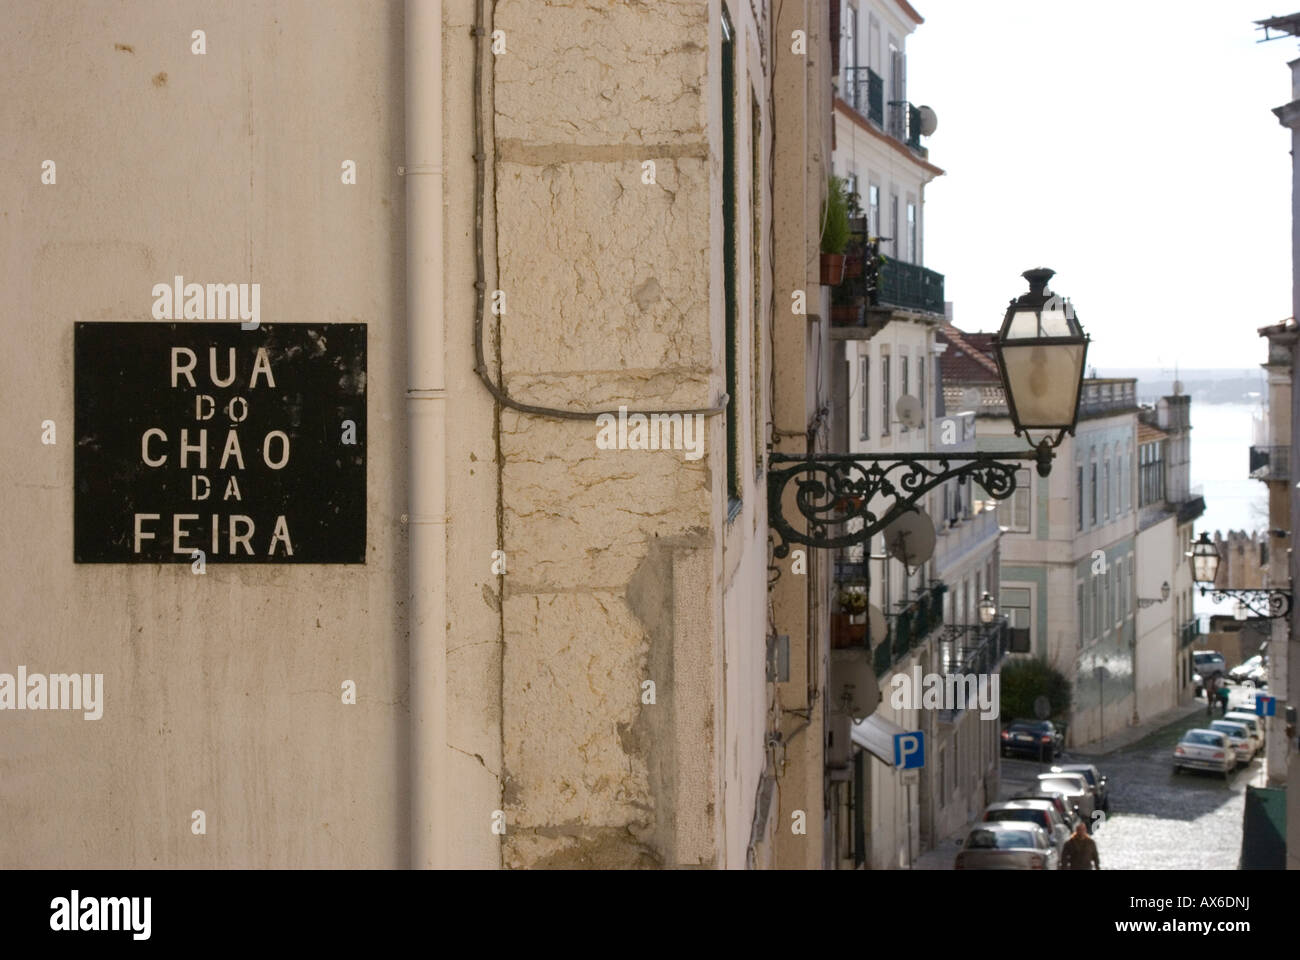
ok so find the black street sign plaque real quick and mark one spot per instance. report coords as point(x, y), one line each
point(207, 441)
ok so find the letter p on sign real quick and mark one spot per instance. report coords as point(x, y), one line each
point(909, 750)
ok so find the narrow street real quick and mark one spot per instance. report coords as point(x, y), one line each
point(1158, 820)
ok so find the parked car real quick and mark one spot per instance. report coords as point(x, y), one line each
point(1252, 723)
point(1258, 677)
point(1239, 738)
point(1076, 789)
point(1042, 812)
point(1208, 663)
point(1007, 846)
point(1096, 780)
point(1247, 667)
point(1041, 738)
point(1068, 813)
point(1204, 750)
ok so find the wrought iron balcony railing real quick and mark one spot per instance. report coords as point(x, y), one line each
point(865, 93)
point(909, 286)
point(1189, 632)
point(1270, 463)
point(905, 124)
point(910, 627)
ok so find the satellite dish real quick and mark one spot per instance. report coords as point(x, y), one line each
point(855, 690)
point(910, 538)
point(970, 398)
point(877, 629)
point(929, 121)
point(908, 409)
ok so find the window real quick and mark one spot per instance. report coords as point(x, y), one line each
point(906, 381)
point(1083, 613)
point(897, 85)
point(729, 253)
point(864, 404)
point(920, 382)
point(1078, 493)
point(893, 224)
point(873, 210)
point(850, 35)
point(1093, 479)
point(884, 577)
point(1015, 605)
point(1014, 512)
point(1109, 581)
point(885, 398)
point(913, 250)
point(1105, 504)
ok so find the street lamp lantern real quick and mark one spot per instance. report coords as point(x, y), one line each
point(1164, 591)
point(1205, 560)
point(1271, 603)
point(1041, 350)
point(988, 609)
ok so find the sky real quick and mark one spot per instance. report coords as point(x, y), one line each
point(1130, 146)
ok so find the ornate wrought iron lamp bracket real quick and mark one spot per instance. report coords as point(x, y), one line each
point(1267, 604)
point(834, 489)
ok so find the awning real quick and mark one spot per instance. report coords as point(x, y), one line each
point(876, 735)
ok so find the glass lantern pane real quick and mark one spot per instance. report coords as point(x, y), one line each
point(1044, 382)
point(1024, 325)
point(1055, 318)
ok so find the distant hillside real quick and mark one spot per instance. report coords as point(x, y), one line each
point(1204, 386)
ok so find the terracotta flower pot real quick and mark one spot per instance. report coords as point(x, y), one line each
point(832, 269)
point(846, 315)
point(846, 634)
point(852, 267)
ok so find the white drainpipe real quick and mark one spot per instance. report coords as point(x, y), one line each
point(426, 404)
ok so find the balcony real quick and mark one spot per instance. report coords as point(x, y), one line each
point(910, 287)
point(905, 125)
point(1189, 633)
point(910, 627)
point(864, 91)
point(1270, 463)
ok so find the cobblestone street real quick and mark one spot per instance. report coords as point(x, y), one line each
point(1158, 820)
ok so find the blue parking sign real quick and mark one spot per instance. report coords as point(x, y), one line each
point(1265, 705)
point(909, 750)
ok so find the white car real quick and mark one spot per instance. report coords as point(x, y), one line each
point(1007, 846)
point(1252, 723)
point(1239, 738)
point(1246, 669)
point(1204, 750)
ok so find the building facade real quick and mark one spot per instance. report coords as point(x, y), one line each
point(561, 640)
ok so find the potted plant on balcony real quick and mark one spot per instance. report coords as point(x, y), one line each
point(835, 232)
point(844, 632)
point(856, 248)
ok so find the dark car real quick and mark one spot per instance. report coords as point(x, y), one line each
point(1098, 782)
point(1038, 737)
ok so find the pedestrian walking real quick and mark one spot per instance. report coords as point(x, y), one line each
point(1080, 851)
point(1211, 693)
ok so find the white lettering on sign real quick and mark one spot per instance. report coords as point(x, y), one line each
point(240, 530)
